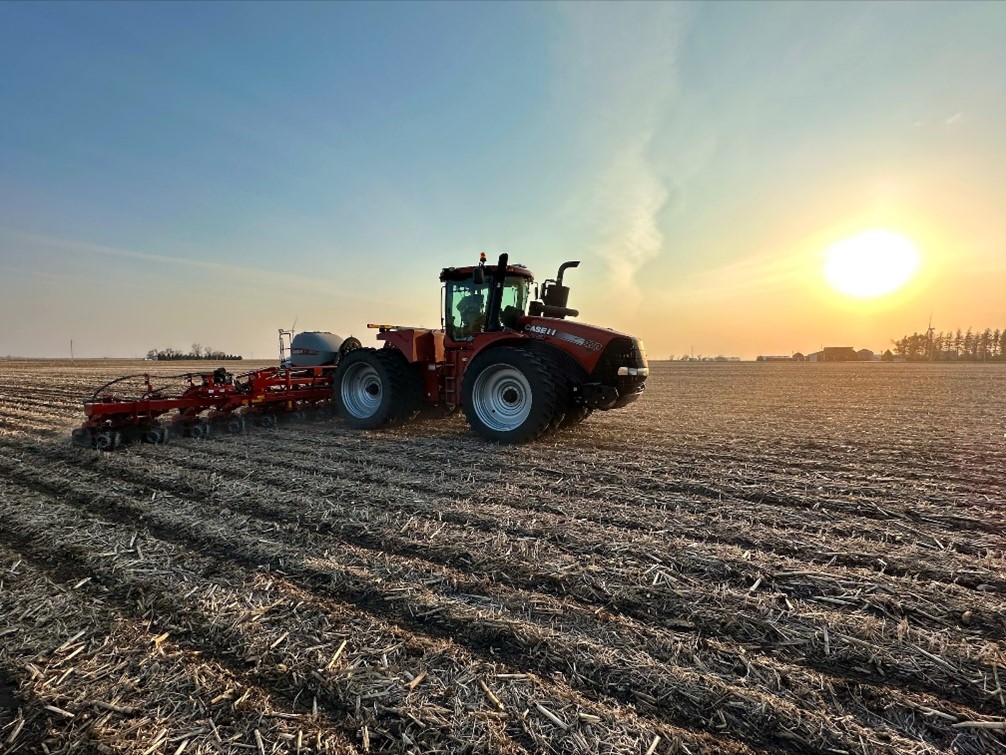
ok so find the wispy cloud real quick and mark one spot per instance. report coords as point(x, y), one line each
point(955, 119)
point(630, 195)
point(622, 66)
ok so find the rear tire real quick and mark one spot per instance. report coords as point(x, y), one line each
point(510, 395)
point(376, 388)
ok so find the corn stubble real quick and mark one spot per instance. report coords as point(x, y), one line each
point(754, 558)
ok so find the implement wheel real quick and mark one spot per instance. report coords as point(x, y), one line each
point(510, 395)
point(376, 388)
point(200, 429)
point(107, 440)
point(235, 424)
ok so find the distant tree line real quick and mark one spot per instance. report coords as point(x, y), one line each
point(197, 352)
point(953, 346)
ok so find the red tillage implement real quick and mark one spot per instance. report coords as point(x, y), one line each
point(133, 407)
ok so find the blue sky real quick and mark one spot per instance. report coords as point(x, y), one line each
point(172, 173)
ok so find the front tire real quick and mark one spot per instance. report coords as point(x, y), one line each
point(510, 395)
point(376, 388)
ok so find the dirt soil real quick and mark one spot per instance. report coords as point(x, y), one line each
point(753, 558)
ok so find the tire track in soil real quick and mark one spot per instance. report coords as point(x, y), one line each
point(63, 604)
point(626, 521)
point(67, 552)
point(373, 604)
point(23, 425)
point(61, 406)
point(641, 607)
point(481, 638)
point(203, 635)
point(645, 548)
point(791, 460)
point(743, 570)
point(776, 537)
point(766, 463)
point(475, 637)
point(817, 510)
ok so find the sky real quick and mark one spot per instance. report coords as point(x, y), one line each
point(178, 173)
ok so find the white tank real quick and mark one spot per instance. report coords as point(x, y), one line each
point(314, 349)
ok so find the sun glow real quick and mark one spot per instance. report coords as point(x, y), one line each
point(871, 264)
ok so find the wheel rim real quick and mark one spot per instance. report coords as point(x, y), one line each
point(361, 390)
point(501, 398)
point(104, 441)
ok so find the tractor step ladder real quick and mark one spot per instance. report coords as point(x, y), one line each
point(450, 383)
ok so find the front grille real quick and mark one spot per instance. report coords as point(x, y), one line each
point(621, 352)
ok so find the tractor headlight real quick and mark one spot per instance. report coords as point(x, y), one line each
point(633, 371)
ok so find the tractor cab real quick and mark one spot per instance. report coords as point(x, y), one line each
point(476, 300)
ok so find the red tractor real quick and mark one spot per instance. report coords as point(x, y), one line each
point(517, 367)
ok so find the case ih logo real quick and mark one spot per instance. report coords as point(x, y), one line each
point(585, 343)
point(569, 337)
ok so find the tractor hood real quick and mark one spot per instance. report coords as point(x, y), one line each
point(602, 352)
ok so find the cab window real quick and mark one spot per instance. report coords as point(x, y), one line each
point(514, 304)
point(466, 309)
point(466, 303)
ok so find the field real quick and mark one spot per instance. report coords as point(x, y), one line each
point(753, 558)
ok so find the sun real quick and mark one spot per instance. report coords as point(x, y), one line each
point(871, 264)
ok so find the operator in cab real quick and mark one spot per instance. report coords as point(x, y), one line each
point(472, 309)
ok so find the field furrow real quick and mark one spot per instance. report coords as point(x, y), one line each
point(753, 558)
point(134, 571)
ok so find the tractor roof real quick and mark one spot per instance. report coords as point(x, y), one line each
point(464, 273)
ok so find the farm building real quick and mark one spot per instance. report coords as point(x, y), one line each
point(838, 354)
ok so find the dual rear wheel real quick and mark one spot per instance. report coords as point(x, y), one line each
point(376, 388)
point(509, 395)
